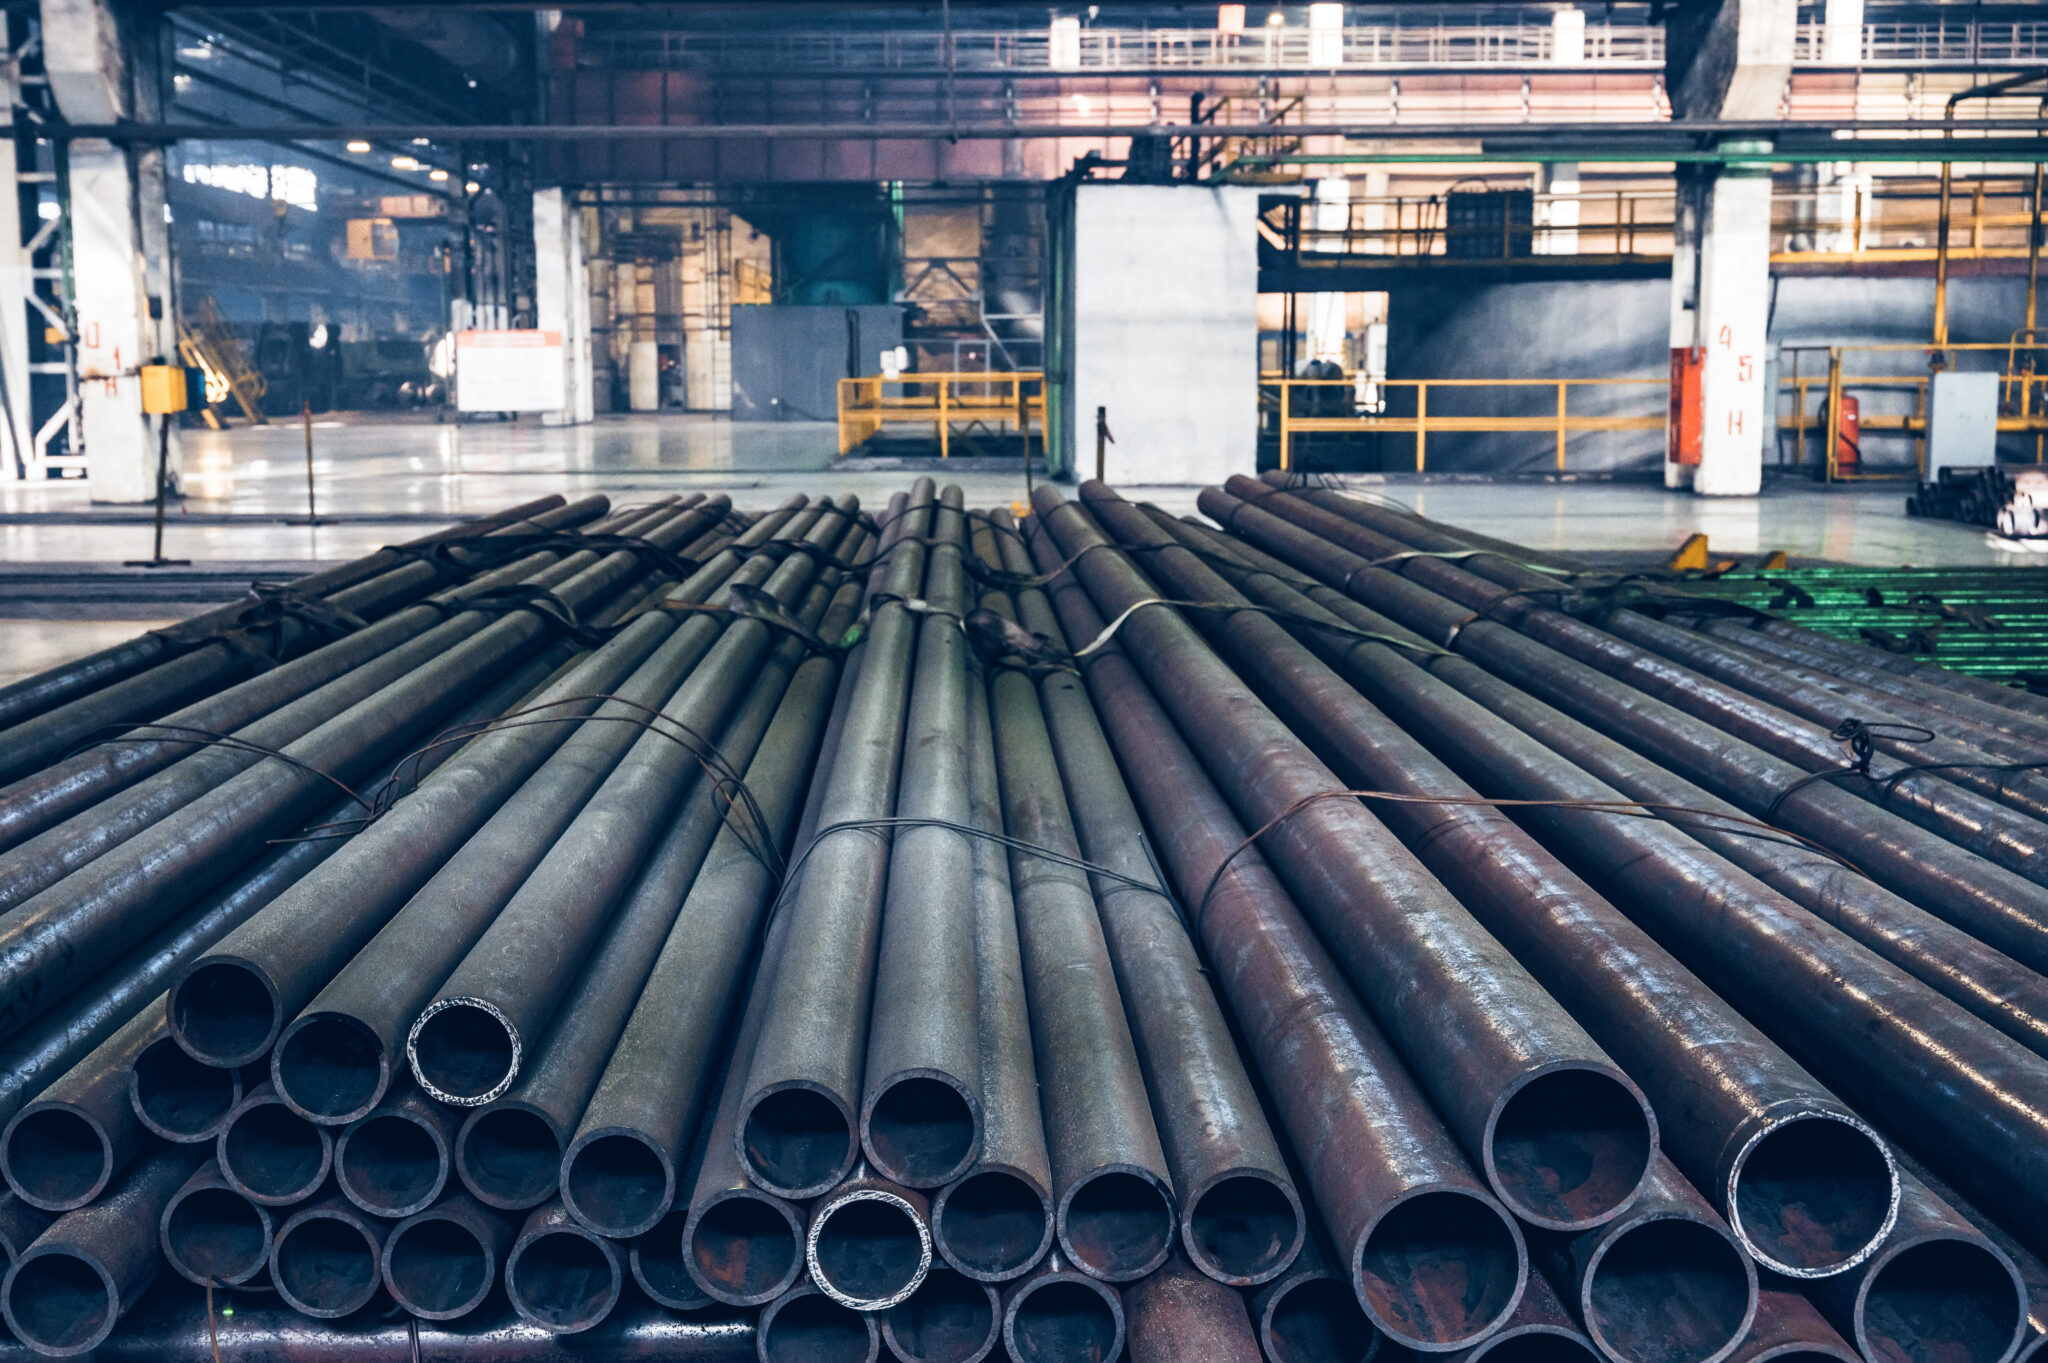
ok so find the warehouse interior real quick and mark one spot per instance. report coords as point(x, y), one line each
point(955, 681)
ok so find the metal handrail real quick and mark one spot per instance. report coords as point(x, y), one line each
point(941, 399)
point(1561, 422)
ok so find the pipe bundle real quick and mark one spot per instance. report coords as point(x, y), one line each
point(1299, 934)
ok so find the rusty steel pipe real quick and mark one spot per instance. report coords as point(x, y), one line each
point(1789, 1327)
point(1309, 1314)
point(270, 1154)
point(561, 1277)
point(441, 1263)
point(395, 1159)
point(1182, 1313)
point(212, 1234)
point(656, 1262)
point(951, 1318)
point(1057, 1312)
point(803, 1325)
point(325, 1259)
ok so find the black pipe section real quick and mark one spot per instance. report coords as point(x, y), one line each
point(176, 1097)
point(229, 1006)
point(64, 1294)
point(1937, 1289)
point(441, 1263)
point(55, 939)
point(20, 1224)
point(799, 1125)
point(657, 1264)
point(1664, 1282)
point(104, 688)
point(619, 1171)
point(803, 1325)
point(995, 1221)
point(65, 1148)
point(270, 1154)
point(869, 1242)
point(1581, 670)
point(1180, 1313)
point(212, 1234)
point(951, 1318)
point(1791, 1328)
point(920, 1113)
point(47, 798)
point(467, 1044)
point(395, 1159)
point(560, 1276)
point(1309, 1314)
point(1056, 1312)
point(1428, 1252)
point(1704, 1062)
point(1542, 1330)
point(325, 1258)
point(1241, 1219)
point(1113, 1197)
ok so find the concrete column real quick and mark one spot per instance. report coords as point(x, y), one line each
point(1842, 27)
point(1326, 310)
point(1734, 313)
point(1685, 285)
point(562, 300)
point(120, 264)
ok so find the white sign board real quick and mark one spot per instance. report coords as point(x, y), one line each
point(508, 371)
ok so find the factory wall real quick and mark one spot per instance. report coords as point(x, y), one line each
point(1619, 328)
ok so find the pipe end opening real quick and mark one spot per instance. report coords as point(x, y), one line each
point(949, 1319)
point(390, 1165)
point(1950, 1300)
point(797, 1142)
point(1813, 1196)
point(992, 1225)
point(330, 1068)
point(563, 1282)
point(216, 1235)
point(56, 1159)
point(464, 1052)
point(923, 1131)
point(1670, 1290)
point(1570, 1148)
point(1317, 1320)
point(437, 1268)
point(61, 1304)
point(617, 1184)
point(1117, 1225)
point(324, 1266)
point(225, 1013)
point(1063, 1319)
point(509, 1157)
point(1440, 1270)
point(1245, 1229)
point(869, 1250)
point(745, 1250)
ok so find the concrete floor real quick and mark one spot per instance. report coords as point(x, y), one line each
point(378, 477)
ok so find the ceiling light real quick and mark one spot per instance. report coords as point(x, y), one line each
point(1275, 19)
point(472, 188)
point(404, 163)
point(419, 141)
point(437, 175)
point(359, 147)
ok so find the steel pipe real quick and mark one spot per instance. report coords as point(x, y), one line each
point(67, 1147)
point(920, 1111)
point(441, 1263)
point(395, 1159)
point(1432, 1257)
point(1056, 1312)
point(1181, 1313)
point(869, 1243)
point(64, 1294)
point(325, 1258)
point(1241, 1220)
point(657, 1264)
point(799, 1123)
point(272, 1155)
point(176, 1097)
point(1789, 1327)
point(1309, 1314)
point(20, 1224)
point(561, 1277)
point(1542, 1330)
point(950, 1318)
point(803, 1325)
point(212, 1234)
point(229, 1006)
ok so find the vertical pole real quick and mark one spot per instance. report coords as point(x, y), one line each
point(945, 419)
point(1940, 267)
point(1101, 444)
point(1421, 420)
point(163, 465)
point(1977, 218)
point(1286, 427)
point(1560, 425)
point(1833, 434)
point(306, 415)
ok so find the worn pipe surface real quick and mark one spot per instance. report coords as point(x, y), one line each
point(176, 1097)
point(1179, 1313)
point(1309, 1314)
point(395, 1159)
point(951, 1318)
point(1056, 1312)
point(560, 1276)
point(869, 1242)
point(803, 1325)
point(657, 1265)
point(441, 1263)
point(325, 1258)
point(1788, 1326)
point(212, 1234)
point(270, 1154)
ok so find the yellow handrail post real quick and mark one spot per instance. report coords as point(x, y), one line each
point(1560, 425)
point(1286, 427)
point(1421, 421)
point(1834, 422)
point(945, 421)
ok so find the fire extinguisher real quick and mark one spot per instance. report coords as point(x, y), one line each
point(1848, 434)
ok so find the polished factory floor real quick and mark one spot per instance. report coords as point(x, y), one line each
point(375, 477)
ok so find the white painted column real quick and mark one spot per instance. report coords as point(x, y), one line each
point(561, 299)
point(1842, 29)
point(1685, 318)
point(1562, 220)
point(1734, 307)
point(15, 284)
point(1326, 310)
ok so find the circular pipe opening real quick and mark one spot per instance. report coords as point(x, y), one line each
point(464, 1052)
point(1063, 1321)
point(1669, 1291)
point(1813, 1196)
point(869, 1250)
point(1244, 1229)
point(617, 1184)
point(390, 1165)
point(1950, 1300)
point(330, 1068)
point(60, 1304)
point(1570, 1148)
point(56, 1158)
point(659, 1267)
point(797, 1142)
point(216, 1235)
point(992, 1225)
point(1318, 1320)
point(949, 1319)
point(273, 1154)
point(1117, 1225)
point(744, 1250)
point(224, 1013)
point(922, 1132)
point(324, 1266)
point(1535, 1346)
point(437, 1268)
point(1440, 1270)
point(177, 1097)
point(562, 1282)
point(812, 1328)
point(509, 1157)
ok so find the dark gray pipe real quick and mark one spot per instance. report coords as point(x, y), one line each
point(64, 1294)
point(949, 1319)
point(1241, 1220)
point(176, 1097)
point(1056, 1312)
point(212, 1234)
point(395, 1159)
point(441, 1263)
point(799, 1126)
point(229, 1006)
point(869, 1243)
point(270, 1154)
point(467, 1044)
point(1179, 1313)
point(20, 1224)
point(325, 1258)
point(657, 1264)
point(803, 1325)
point(1309, 1314)
point(1428, 1252)
point(1542, 1330)
point(560, 1276)
point(920, 1114)
point(1789, 1327)
point(67, 1147)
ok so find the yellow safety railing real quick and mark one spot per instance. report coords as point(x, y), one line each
point(993, 401)
point(2023, 402)
point(1561, 422)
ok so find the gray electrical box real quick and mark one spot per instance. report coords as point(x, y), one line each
point(1962, 421)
